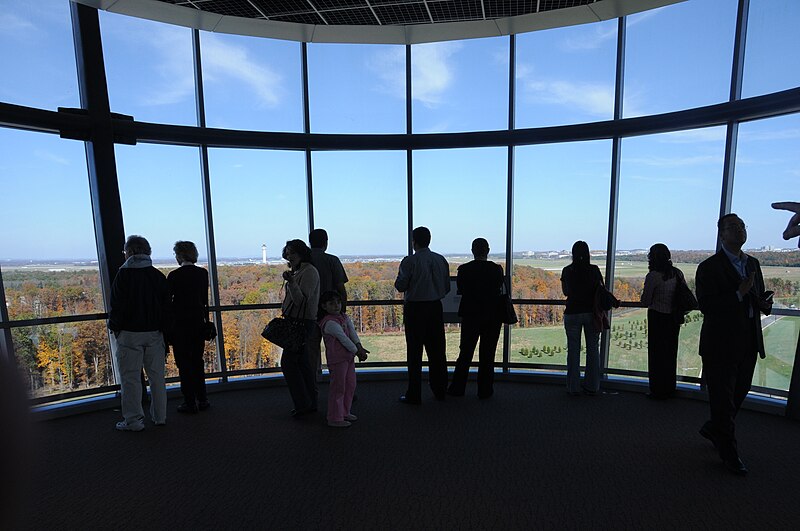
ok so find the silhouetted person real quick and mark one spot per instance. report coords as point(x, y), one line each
point(479, 283)
point(730, 291)
point(332, 277)
point(300, 302)
point(139, 314)
point(188, 288)
point(579, 282)
point(662, 327)
point(424, 279)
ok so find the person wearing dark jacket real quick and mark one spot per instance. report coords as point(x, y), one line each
point(479, 282)
point(731, 295)
point(188, 290)
point(138, 316)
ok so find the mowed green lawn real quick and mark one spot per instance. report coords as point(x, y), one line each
point(628, 346)
point(628, 269)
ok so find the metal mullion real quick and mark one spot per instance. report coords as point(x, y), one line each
point(307, 131)
point(732, 128)
point(512, 49)
point(6, 340)
point(409, 156)
point(205, 176)
point(613, 208)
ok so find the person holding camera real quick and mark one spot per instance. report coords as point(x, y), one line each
point(731, 294)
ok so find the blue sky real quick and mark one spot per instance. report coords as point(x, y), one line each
point(677, 57)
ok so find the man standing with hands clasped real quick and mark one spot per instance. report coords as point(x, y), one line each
point(424, 280)
point(730, 291)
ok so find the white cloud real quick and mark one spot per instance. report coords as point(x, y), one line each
point(591, 39)
point(708, 134)
point(222, 60)
point(782, 134)
point(50, 157)
point(593, 98)
point(432, 71)
point(675, 162)
point(14, 25)
point(388, 63)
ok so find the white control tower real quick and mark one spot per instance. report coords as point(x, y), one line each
point(264, 253)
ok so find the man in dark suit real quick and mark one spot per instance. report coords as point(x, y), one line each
point(730, 291)
point(479, 283)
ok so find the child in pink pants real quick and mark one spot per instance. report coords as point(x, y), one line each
point(341, 347)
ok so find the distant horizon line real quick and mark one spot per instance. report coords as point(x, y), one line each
point(273, 259)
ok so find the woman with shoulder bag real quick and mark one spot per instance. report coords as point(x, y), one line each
point(301, 302)
point(188, 288)
point(662, 326)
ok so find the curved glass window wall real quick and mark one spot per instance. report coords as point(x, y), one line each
point(532, 142)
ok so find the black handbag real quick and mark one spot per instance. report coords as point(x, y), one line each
point(209, 331)
point(683, 301)
point(289, 333)
point(505, 307)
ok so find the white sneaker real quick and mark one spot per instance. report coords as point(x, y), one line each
point(350, 417)
point(124, 426)
point(160, 423)
point(339, 424)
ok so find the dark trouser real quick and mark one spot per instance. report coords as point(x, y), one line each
point(728, 382)
point(472, 329)
point(299, 374)
point(424, 328)
point(662, 352)
point(188, 353)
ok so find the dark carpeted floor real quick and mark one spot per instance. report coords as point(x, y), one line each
point(531, 457)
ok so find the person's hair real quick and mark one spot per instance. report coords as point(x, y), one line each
point(298, 246)
point(136, 244)
point(722, 220)
point(480, 247)
point(317, 238)
point(659, 259)
point(422, 236)
point(580, 253)
point(328, 296)
point(185, 251)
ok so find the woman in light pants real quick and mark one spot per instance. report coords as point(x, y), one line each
point(579, 282)
point(132, 351)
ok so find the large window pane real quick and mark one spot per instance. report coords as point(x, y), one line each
point(259, 199)
point(47, 243)
point(561, 195)
point(460, 85)
point(628, 336)
point(670, 185)
point(38, 58)
point(679, 56)
point(539, 337)
point(244, 346)
point(356, 88)
point(63, 357)
point(566, 75)
point(251, 83)
point(359, 199)
point(771, 61)
point(768, 170)
point(161, 194)
point(780, 342)
point(460, 195)
point(149, 69)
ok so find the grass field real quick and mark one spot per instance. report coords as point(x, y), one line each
point(628, 346)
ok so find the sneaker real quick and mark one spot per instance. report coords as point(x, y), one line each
point(350, 417)
point(161, 423)
point(202, 405)
point(124, 426)
point(339, 424)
